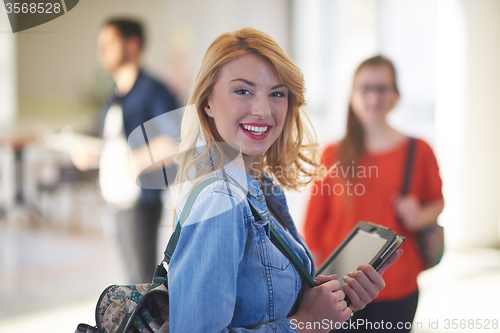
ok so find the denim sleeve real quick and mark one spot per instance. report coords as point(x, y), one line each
point(204, 269)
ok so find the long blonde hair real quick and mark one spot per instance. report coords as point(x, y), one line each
point(292, 159)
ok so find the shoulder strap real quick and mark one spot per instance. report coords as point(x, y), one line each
point(288, 252)
point(282, 245)
point(172, 243)
point(408, 167)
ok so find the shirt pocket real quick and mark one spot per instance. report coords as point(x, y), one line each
point(270, 255)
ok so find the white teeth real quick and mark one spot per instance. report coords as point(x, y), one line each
point(255, 129)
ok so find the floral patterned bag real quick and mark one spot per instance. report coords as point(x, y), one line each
point(135, 308)
point(141, 308)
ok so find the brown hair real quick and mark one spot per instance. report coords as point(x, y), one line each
point(352, 146)
point(128, 28)
point(295, 150)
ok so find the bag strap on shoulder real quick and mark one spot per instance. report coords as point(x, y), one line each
point(172, 243)
point(283, 246)
point(281, 243)
point(288, 252)
point(408, 166)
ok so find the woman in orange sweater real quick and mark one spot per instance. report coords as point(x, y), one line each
point(365, 186)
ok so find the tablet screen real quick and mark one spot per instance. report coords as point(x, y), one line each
point(361, 249)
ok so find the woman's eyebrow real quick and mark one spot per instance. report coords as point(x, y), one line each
point(246, 81)
point(250, 83)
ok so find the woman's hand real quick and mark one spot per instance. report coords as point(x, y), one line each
point(323, 305)
point(408, 209)
point(415, 216)
point(325, 302)
point(363, 285)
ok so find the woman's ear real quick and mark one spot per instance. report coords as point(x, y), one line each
point(208, 110)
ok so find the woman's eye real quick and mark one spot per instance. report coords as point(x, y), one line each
point(242, 91)
point(278, 94)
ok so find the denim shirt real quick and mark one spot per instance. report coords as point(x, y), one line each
point(226, 275)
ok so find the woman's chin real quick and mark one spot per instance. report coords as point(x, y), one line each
point(373, 118)
point(253, 153)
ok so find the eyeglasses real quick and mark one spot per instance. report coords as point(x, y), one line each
point(379, 89)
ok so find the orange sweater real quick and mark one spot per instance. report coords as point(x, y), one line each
point(337, 204)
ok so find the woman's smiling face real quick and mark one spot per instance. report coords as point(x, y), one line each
point(373, 94)
point(248, 105)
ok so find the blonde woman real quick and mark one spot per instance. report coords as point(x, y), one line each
point(245, 125)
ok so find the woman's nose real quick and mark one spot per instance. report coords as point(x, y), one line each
point(372, 97)
point(261, 107)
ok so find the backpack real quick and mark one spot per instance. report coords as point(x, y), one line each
point(142, 308)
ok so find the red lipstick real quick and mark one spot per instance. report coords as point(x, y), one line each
point(254, 134)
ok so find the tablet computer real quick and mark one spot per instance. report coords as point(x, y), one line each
point(367, 243)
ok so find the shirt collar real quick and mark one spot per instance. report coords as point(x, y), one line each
point(235, 169)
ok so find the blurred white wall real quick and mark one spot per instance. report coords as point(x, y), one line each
point(407, 31)
point(467, 119)
point(330, 38)
point(8, 108)
point(8, 80)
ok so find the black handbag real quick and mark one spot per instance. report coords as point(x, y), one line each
point(430, 240)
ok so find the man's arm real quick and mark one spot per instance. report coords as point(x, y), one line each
point(161, 147)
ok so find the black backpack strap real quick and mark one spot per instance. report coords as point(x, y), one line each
point(408, 166)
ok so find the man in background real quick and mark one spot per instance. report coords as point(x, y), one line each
point(137, 98)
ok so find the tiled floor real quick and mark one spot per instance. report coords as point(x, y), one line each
point(42, 270)
point(50, 281)
point(462, 294)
